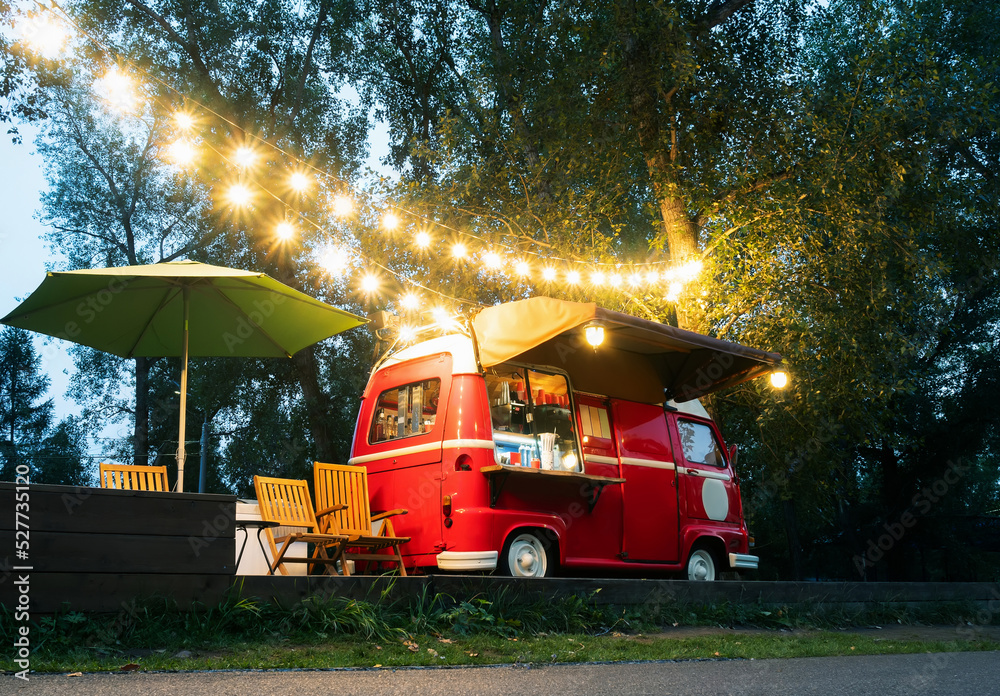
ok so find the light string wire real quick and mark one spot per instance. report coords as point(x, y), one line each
point(373, 204)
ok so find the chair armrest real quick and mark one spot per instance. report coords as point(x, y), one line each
point(388, 513)
point(331, 509)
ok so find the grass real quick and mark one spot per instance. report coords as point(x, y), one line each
point(442, 630)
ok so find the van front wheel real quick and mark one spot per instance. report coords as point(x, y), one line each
point(525, 556)
point(701, 566)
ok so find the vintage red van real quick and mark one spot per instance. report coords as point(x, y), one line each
point(518, 446)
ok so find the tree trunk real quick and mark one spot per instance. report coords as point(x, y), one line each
point(792, 534)
point(140, 436)
point(317, 405)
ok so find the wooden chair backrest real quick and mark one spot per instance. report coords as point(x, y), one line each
point(134, 477)
point(336, 484)
point(285, 501)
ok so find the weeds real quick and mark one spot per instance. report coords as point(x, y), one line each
point(249, 625)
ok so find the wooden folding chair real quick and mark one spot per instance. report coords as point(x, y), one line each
point(343, 508)
point(287, 503)
point(134, 477)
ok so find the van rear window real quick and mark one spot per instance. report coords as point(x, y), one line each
point(405, 411)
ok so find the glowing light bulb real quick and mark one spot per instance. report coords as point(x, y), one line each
point(669, 274)
point(407, 334)
point(616, 280)
point(410, 301)
point(675, 289)
point(390, 221)
point(594, 334)
point(635, 279)
point(343, 206)
point(779, 379)
point(549, 274)
point(652, 277)
point(299, 182)
point(458, 250)
point(182, 152)
point(690, 270)
point(184, 120)
point(118, 89)
point(44, 35)
point(244, 157)
point(522, 268)
point(492, 260)
point(336, 261)
point(239, 195)
point(370, 283)
point(573, 277)
point(285, 230)
point(597, 278)
point(422, 240)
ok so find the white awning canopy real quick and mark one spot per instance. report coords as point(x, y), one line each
point(639, 360)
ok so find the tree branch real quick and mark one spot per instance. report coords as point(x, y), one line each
point(721, 11)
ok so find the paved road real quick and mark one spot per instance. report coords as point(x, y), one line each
point(947, 674)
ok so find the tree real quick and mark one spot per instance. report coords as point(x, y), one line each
point(52, 452)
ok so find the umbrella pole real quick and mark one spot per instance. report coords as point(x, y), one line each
point(181, 453)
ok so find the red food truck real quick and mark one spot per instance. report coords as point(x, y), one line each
point(518, 446)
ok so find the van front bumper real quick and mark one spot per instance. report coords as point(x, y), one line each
point(467, 560)
point(742, 560)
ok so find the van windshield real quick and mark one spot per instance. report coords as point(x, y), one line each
point(531, 412)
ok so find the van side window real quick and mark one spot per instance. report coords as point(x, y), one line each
point(699, 443)
point(594, 422)
point(405, 411)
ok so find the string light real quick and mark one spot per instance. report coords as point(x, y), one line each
point(390, 221)
point(336, 261)
point(182, 153)
point(184, 120)
point(343, 206)
point(370, 283)
point(239, 195)
point(300, 182)
point(492, 260)
point(244, 157)
point(45, 35)
point(410, 301)
point(118, 90)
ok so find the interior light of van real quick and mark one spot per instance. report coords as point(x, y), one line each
point(594, 334)
point(779, 379)
point(569, 462)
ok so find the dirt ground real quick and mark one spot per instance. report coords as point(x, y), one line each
point(887, 632)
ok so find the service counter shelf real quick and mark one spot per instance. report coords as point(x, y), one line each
point(587, 486)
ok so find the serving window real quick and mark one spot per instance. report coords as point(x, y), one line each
point(531, 417)
point(405, 411)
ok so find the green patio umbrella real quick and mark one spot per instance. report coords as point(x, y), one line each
point(181, 309)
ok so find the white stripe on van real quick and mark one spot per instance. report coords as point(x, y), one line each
point(417, 449)
point(701, 473)
point(599, 459)
point(651, 463)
